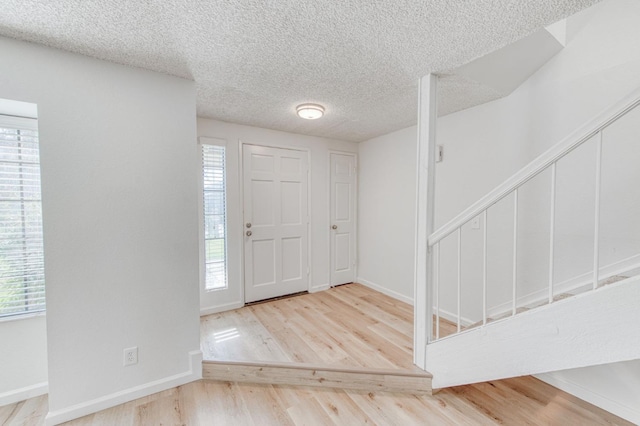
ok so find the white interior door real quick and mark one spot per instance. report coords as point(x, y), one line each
point(343, 218)
point(275, 222)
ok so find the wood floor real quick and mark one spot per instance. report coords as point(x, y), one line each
point(350, 326)
point(521, 401)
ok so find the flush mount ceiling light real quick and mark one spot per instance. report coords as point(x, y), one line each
point(310, 111)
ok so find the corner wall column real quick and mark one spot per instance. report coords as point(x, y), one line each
point(425, 196)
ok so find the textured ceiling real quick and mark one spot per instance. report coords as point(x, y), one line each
point(254, 61)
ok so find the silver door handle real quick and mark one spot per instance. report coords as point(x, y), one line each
point(334, 227)
point(249, 233)
point(248, 225)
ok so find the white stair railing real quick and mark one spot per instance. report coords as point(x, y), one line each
point(546, 161)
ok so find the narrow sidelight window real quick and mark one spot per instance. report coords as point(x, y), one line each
point(215, 217)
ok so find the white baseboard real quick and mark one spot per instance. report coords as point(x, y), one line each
point(220, 308)
point(21, 394)
point(75, 411)
point(317, 288)
point(384, 290)
point(629, 413)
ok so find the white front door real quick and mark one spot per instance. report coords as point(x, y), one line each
point(275, 222)
point(343, 218)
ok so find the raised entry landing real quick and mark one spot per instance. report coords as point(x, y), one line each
point(348, 337)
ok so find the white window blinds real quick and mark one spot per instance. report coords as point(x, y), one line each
point(21, 251)
point(215, 220)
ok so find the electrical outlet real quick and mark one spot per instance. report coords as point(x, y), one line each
point(131, 356)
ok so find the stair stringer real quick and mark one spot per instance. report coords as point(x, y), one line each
point(598, 327)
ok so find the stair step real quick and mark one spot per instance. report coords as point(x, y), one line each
point(546, 339)
point(300, 374)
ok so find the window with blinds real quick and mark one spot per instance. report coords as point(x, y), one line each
point(215, 220)
point(21, 250)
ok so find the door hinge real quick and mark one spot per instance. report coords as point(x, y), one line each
point(307, 271)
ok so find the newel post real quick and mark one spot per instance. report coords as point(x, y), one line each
point(425, 186)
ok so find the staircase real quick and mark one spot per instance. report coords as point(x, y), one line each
point(598, 327)
point(590, 319)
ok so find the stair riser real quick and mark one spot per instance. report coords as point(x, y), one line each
point(299, 375)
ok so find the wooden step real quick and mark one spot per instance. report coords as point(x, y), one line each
point(299, 374)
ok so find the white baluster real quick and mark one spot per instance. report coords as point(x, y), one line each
point(459, 272)
point(484, 268)
point(552, 229)
point(596, 232)
point(436, 284)
point(515, 249)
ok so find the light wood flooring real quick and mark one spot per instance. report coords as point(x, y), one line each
point(521, 401)
point(350, 326)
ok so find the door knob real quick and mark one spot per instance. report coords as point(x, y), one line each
point(249, 233)
point(334, 227)
point(248, 225)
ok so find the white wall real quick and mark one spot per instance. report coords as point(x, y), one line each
point(119, 186)
point(23, 362)
point(613, 387)
point(386, 213)
point(234, 135)
point(486, 144)
point(481, 150)
point(23, 359)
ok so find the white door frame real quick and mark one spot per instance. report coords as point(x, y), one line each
point(240, 231)
point(355, 201)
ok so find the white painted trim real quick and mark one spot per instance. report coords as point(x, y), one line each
point(377, 287)
point(17, 395)
point(209, 140)
point(425, 198)
point(85, 408)
point(629, 413)
point(569, 285)
point(559, 150)
point(317, 288)
point(241, 212)
point(25, 316)
point(560, 336)
point(18, 108)
point(221, 308)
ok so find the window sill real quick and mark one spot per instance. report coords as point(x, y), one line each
point(23, 317)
